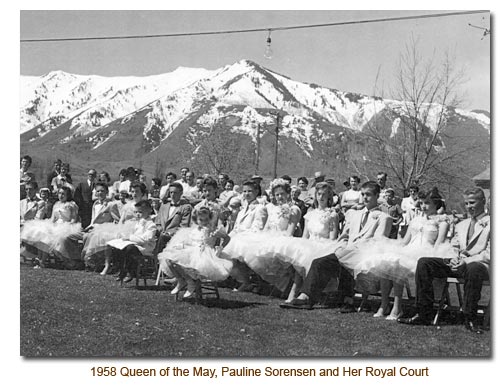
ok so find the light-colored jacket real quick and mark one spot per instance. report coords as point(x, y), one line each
point(144, 236)
point(108, 212)
point(251, 217)
point(478, 246)
point(378, 224)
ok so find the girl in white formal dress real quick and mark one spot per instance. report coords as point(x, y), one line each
point(96, 241)
point(45, 234)
point(194, 253)
point(395, 261)
point(261, 250)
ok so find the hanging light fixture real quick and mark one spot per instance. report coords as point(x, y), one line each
point(268, 53)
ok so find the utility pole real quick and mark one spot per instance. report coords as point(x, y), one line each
point(279, 116)
point(257, 150)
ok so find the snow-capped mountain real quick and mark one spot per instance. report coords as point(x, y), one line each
point(141, 117)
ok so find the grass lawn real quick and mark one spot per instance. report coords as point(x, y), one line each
point(82, 314)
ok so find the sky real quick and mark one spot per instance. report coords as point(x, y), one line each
point(358, 58)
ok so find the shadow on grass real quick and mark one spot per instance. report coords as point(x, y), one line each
point(223, 304)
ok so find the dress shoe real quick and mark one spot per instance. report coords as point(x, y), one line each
point(298, 304)
point(128, 279)
point(415, 320)
point(347, 308)
point(246, 287)
point(394, 317)
point(473, 327)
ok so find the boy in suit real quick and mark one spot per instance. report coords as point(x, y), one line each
point(362, 225)
point(472, 262)
point(173, 215)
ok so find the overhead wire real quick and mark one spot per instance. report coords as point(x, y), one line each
point(267, 29)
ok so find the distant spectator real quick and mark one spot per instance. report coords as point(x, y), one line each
point(62, 179)
point(25, 175)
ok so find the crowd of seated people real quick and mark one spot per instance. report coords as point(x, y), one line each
point(298, 239)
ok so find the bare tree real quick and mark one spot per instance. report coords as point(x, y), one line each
point(216, 150)
point(407, 139)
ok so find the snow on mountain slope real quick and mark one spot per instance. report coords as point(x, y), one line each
point(98, 100)
point(243, 93)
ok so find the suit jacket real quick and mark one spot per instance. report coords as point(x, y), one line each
point(144, 236)
point(83, 195)
point(251, 217)
point(107, 213)
point(28, 209)
point(180, 218)
point(478, 246)
point(377, 225)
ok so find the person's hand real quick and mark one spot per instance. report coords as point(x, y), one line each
point(458, 267)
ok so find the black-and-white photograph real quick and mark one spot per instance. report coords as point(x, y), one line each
point(243, 183)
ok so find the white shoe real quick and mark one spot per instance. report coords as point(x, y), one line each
point(188, 294)
point(180, 285)
point(394, 317)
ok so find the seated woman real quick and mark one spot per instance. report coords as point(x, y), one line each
point(95, 242)
point(192, 254)
point(259, 250)
point(45, 234)
point(321, 229)
point(394, 262)
point(129, 250)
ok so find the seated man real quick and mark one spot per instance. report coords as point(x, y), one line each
point(173, 215)
point(362, 225)
point(472, 245)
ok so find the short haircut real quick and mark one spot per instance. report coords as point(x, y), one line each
point(176, 185)
point(27, 158)
point(185, 168)
point(65, 165)
point(390, 191)
point(478, 192)
point(230, 182)
point(156, 180)
point(171, 174)
point(252, 184)
point(302, 179)
point(67, 190)
point(434, 196)
point(372, 185)
point(130, 172)
point(356, 178)
point(414, 187)
point(123, 172)
point(286, 177)
point(106, 174)
point(33, 184)
point(139, 185)
point(205, 210)
point(103, 184)
point(382, 174)
point(144, 205)
point(209, 181)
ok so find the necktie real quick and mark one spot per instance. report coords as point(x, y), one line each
point(470, 233)
point(363, 220)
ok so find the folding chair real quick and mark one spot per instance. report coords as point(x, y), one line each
point(444, 302)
